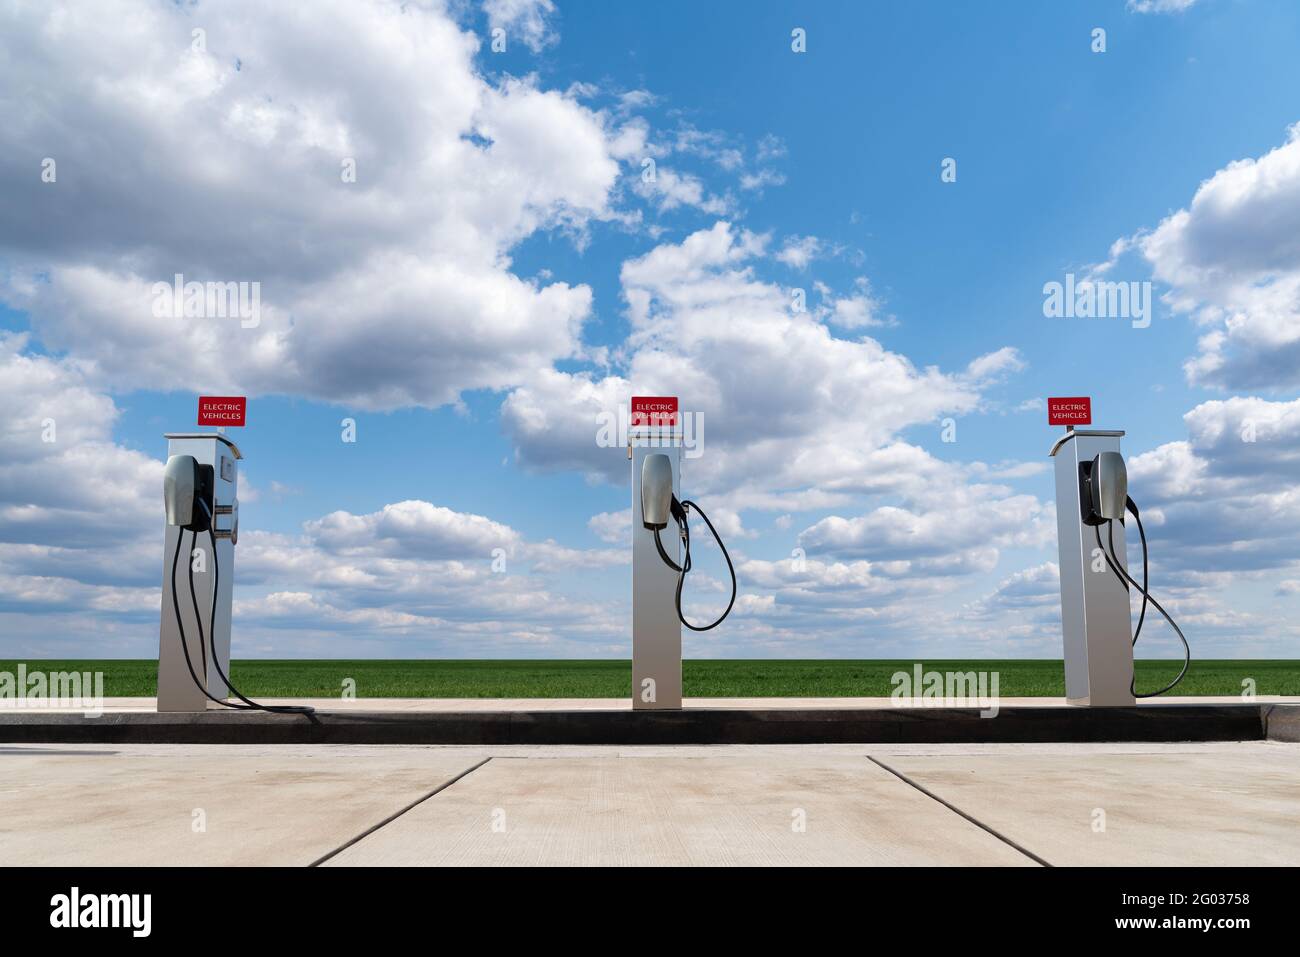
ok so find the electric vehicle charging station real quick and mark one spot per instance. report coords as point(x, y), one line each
point(659, 570)
point(194, 640)
point(1095, 617)
point(656, 627)
point(1091, 495)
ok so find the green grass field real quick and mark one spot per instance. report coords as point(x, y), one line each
point(613, 679)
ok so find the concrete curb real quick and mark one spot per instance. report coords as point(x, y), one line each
point(1236, 722)
point(1281, 722)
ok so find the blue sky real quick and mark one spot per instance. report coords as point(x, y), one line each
point(502, 271)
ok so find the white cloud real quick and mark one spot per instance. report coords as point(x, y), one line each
point(794, 419)
point(671, 190)
point(62, 480)
point(613, 527)
point(711, 144)
point(226, 164)
point(398, 290)
point(1224, 500)
point(417, 578)
point(413, 529)
point(81, 534)
point(977, 518)
point(723, 150)
point(798, 251)
point(1038, 587)
point(636, 100)
point(772, 386)
point(760, 179)
point(859, 310)
point(1159, 6)
point(1231, 260)
point(528, 19)
point(771, 147)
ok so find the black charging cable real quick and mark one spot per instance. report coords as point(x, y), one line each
point(211, 641)
point(680, 512)
point(198, 620)
point(212, 636)
point(1126, 579)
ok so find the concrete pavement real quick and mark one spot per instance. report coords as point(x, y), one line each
point(1176, 804)
point(676, 811)
point(91, 805)
point(1241, 808)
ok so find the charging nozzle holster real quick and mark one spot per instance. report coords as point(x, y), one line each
point(658, 504)
point(187, 489)
point(1103, 489)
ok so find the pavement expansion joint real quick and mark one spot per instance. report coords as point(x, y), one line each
point(958, 811)
point(393, 817)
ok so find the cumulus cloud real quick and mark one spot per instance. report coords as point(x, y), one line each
point(413, 529)
point(799, 251)
point(1020, 616)
point(612, 527)
point(1231, 261)
point(1037, 588)
point(965, 527)
point(759, 179)
point(65, 483)
point(81, 530)
point(226, 161)
point(713, 145)
point(224, 155)
point(773, 388)
point(455, 582)
point(1223, 523)
point(670, 190)
point(1224, 500)
point(770, 385)
point(860, 309)
point(530, 19)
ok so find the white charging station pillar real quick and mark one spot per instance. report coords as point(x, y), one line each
point(176, 688)
point(1095, 616)
point(656, 629)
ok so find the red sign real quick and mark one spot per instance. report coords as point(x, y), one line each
point(1071, 410)
point(654, 410)
point(222, 409)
